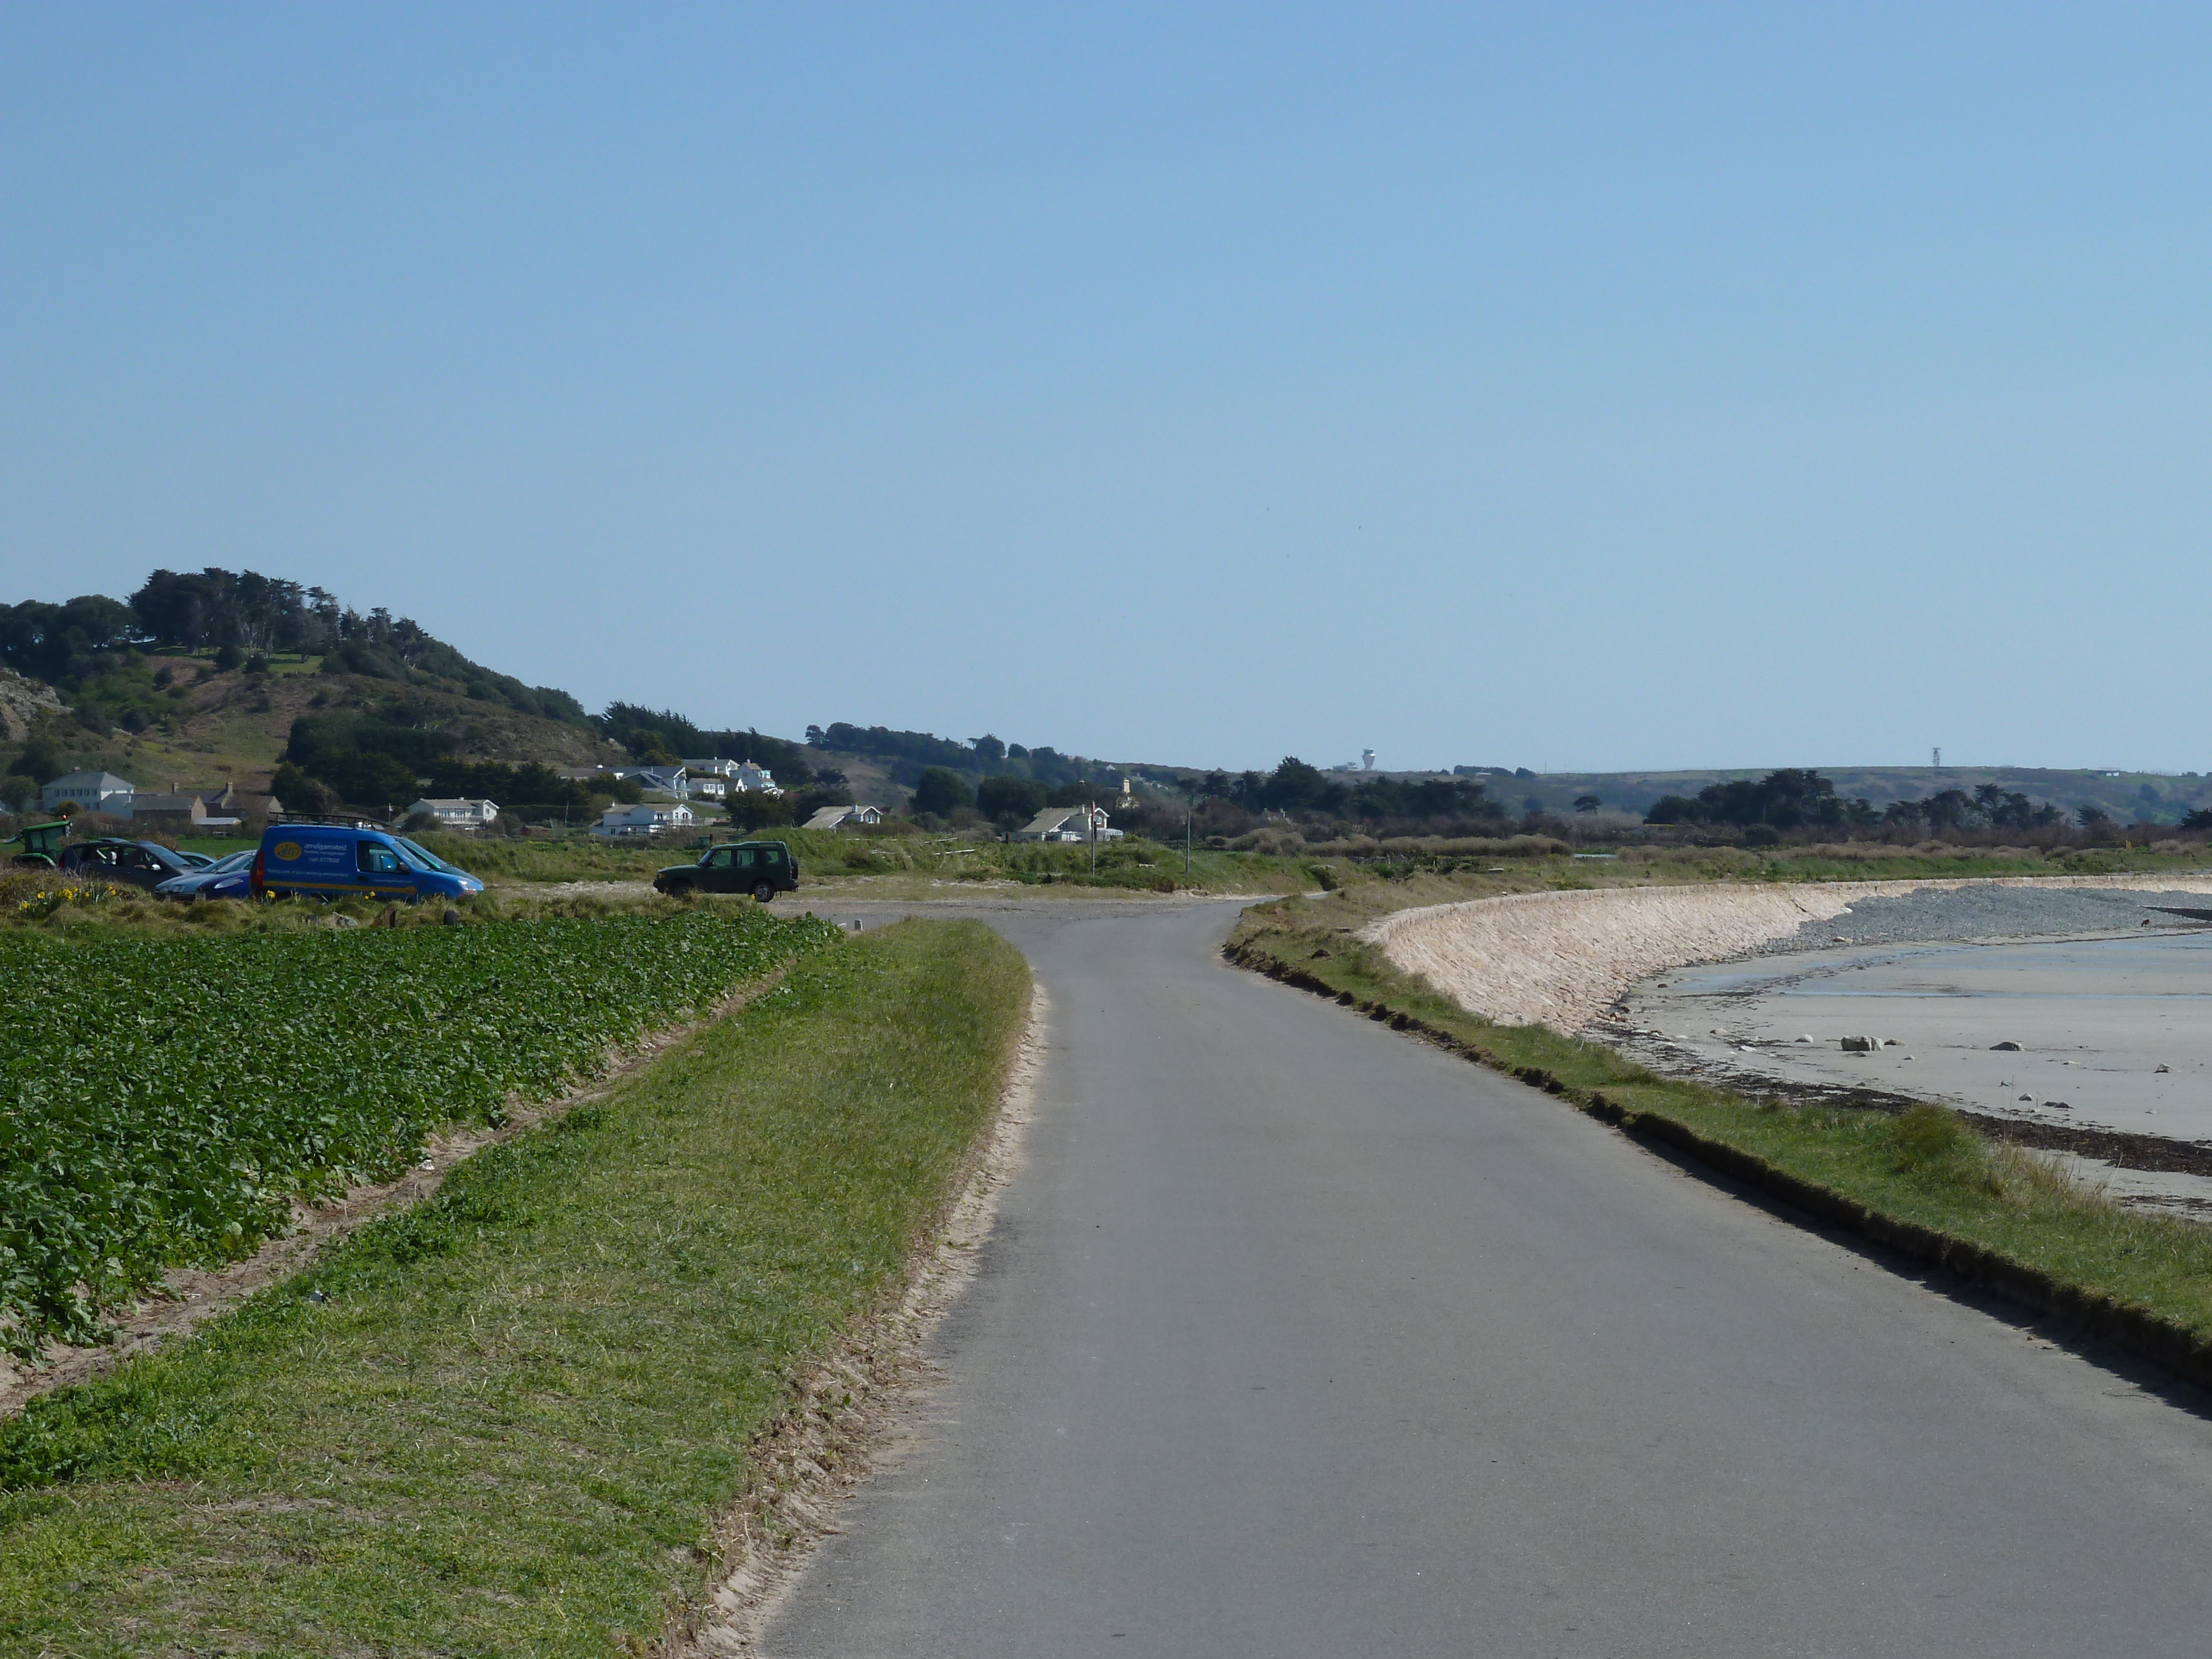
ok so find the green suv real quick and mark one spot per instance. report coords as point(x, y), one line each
point(762, 868)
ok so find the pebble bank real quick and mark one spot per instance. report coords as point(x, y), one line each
point(1564, 958)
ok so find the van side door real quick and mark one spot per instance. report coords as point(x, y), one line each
point(383, 873)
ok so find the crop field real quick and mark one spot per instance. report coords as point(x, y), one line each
point(164, 1099)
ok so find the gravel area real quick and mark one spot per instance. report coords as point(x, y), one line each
point(1989, 913)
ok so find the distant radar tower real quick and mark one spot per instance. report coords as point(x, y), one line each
point(1367, 759)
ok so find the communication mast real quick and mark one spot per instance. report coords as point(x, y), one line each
point(1936, 758)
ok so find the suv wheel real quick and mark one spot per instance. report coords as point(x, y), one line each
point(763, 890)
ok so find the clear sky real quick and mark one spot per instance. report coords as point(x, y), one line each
point(1569, 386)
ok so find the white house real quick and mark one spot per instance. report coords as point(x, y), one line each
point(836, 817)
point(93, 792)
point(1068, 823)
point(670, 781)
point(465, 817)
point(646, 818)
point(738, 777)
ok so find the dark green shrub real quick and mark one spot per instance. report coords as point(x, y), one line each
point(943, 791)
point(1927, 1134)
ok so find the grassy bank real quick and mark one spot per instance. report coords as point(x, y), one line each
point(498, 1424)
point(1397, 875)
point(860, 861)
point(1922, 1180)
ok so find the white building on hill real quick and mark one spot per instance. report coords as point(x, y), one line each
point(836, 817)
point(1068, 823)
point(466, 817)
point(646, 818)
point(93, 792)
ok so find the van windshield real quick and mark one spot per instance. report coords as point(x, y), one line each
point(424, 858)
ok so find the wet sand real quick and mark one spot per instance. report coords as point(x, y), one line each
point(2115, 1034)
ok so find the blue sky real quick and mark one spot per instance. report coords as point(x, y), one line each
point(1574, 387)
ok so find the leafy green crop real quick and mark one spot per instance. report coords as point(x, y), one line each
point(162, 1100)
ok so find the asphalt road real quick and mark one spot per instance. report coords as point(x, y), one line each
point(1299, 1338)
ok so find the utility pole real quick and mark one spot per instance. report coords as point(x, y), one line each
point(1090, 814)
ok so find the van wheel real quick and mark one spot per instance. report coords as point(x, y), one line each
point(763, 890)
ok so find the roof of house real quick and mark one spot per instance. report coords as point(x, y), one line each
point(433, 804)
point(828, 819)
point(107, 782)
point(142, 802)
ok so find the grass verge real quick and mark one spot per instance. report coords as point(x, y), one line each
point(1921, 1182)
point(837, 859)
point(501, 1423)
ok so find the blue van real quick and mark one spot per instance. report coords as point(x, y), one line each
point(328, 861)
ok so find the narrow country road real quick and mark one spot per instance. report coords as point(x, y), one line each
point(1300, 1337)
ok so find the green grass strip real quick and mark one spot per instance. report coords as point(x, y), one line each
point(1922, 1180)
point(504, 1430)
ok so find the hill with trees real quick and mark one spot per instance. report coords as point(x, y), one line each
point(205, 674)
point(202, 674)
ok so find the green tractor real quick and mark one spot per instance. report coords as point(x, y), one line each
point(41, 844)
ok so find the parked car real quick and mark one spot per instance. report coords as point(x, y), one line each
point(224, 878)
point(137, 863)
point(326, 862)
point(762, 868)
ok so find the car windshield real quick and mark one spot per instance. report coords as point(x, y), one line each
point(424, 859)
point(234, 862)
point(413, 860)
point(196, 860)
